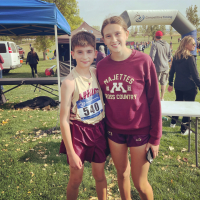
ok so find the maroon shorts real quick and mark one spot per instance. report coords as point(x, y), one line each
point(131, 140)
point(89, 142)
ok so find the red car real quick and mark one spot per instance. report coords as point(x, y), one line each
point(21, 52)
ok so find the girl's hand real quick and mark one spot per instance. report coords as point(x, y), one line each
point(75, 161)
point(153, 148)
point(170, 88)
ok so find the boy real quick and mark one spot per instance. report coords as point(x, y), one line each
point(84, 139)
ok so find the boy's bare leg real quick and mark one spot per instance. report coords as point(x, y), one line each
point(119, 153)
point(75, 180)
point(100, 179)
point(139, 171)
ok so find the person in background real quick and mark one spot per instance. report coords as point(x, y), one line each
point(161, 54)
point(1, 69)
point(187, 77)
point(32, 59)
point(101, 54)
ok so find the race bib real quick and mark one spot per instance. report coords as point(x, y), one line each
point(90, 107)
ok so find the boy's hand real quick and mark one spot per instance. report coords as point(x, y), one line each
point(75, 161)
point(153, 148)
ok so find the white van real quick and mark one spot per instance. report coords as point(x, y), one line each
point(10, 54)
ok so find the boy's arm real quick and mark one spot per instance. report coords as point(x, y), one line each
point(67, 90)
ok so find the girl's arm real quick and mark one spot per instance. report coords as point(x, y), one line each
point(67, 90)
point(171, 74)
point(193, 70)
point(154, 104)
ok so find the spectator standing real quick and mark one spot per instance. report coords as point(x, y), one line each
point(1, 69)
point(187, 77)
point(161, 54)
point(101, 54)
point(32, 59)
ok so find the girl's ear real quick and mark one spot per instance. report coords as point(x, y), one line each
point(127, 34)
point(96, 52)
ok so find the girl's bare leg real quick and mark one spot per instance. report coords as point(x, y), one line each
point(119, 153)
point(139, 171)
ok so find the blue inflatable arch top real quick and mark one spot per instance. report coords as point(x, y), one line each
point(161, 17)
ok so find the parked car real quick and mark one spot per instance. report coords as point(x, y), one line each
point(21, 52)
point(10, 54)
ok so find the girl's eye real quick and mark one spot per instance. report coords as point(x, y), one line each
point(107, 36)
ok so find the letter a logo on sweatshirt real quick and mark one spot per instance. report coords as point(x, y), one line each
point(118, 88)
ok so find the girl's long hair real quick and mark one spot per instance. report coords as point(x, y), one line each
point(32, 51)
point(114, 20)
point(182, 51)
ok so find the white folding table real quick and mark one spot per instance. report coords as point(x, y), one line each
point(187, 109)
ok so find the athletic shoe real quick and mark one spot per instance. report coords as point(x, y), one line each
point(172, 125)
point(186, 132)
point(36, 75)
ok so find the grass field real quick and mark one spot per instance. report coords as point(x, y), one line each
point(32, 169)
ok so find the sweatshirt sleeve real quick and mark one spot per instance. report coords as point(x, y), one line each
point(1, 59)
point(171, 74)
point(153, 98)
point(193, 70)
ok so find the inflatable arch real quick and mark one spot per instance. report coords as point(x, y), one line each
point(161, 17)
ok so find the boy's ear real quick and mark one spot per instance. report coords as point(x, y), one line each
point(96, 52)
point(72, 53)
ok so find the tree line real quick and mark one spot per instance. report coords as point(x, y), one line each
point(70, 10)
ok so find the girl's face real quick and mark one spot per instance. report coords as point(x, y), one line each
point(115, 37)
point(191, 45)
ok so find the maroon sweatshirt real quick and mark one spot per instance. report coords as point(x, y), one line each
point(131, 95)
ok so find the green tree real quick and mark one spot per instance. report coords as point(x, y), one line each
point(144, 30)
point(152, 30)
point(132, 31)
point(191, 14)
point(171, 31)
point(42, 43)
point(163, 29)
point(97, 28)
point(69, 9)
point(5, 38)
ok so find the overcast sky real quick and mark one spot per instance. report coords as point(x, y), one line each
point(95, 11)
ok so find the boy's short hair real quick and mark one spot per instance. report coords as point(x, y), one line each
point(83, 38)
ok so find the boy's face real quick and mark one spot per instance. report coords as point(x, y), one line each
point(84, 55)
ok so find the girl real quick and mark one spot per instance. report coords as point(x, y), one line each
point(187, 77)
point(132, 104)
point(33, 59)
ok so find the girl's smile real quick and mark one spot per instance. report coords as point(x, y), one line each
point(115, 37)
